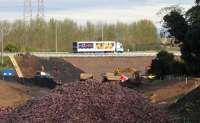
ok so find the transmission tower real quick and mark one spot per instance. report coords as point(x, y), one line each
point(40, 9)
point(27, 11)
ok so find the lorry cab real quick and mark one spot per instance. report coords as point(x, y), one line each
point(119, 47)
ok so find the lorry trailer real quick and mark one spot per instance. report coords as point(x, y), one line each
point(97, 47)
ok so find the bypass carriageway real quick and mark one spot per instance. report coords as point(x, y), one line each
point(66, 54)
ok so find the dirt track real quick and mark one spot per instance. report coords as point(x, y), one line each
point(14, 94)
point(172, 90)
point(99, 65)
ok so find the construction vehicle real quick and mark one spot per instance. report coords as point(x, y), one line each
point(42, 74)
point(149, 77)
point(86, 76)
point(110, 77)
point(44, 79)
point(123, 74)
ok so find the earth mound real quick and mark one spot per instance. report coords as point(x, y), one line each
point(188, 106)
point(61, 70)
point(90, 102)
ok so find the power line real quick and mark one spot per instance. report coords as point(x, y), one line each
point(27, 11)
point(40, 9)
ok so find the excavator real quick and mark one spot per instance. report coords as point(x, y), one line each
point(42, 74)
point(86, 76)
point(130, 75)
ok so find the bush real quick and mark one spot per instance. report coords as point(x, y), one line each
point(179, 68)
point(162, 64)
point(12, 48)
point(165, 64)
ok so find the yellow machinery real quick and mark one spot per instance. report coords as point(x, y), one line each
point(149, 77)
point(111, 77)
point(130, 72)
point(86, 76)
point(116, 75)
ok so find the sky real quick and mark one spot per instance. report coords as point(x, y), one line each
point(81, 11)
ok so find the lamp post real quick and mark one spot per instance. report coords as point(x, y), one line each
point(2, 39)
point(102, 31)
point(56, 40)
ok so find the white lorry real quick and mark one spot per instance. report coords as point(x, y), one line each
point(97, 47)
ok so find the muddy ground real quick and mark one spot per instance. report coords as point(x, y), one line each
point(14, 94)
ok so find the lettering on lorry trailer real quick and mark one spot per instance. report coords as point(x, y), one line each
point(86, 45)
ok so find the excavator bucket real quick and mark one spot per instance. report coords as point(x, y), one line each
point(110, 77)
point(86, 76)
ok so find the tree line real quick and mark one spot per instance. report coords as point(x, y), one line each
point(40, 35)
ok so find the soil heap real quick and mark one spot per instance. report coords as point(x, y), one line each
point(89, 102)
point(189, 106)
point(57, 67)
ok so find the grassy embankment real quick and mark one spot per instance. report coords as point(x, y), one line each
point(6, 63)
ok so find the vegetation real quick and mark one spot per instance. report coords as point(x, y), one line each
point(184, 28)
point(7, 64)
point(165, 64)
point(40, 35)
point(162, 64)
point(11, 48)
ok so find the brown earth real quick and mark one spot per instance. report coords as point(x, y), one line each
point(188, 106)
point(12, 94)
point(171, 91)
point(99, 65)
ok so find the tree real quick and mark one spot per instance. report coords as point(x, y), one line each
point(179, 68)
point(197, 2)
point(176, 25)
point(162, 64)
point(40, 34)
point(191, 49)
point(166, 10)
point(193, 16)
point(186, 29)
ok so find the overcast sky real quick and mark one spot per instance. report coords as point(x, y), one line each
point(108, 11)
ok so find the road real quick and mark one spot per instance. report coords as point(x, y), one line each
point(66, 54)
